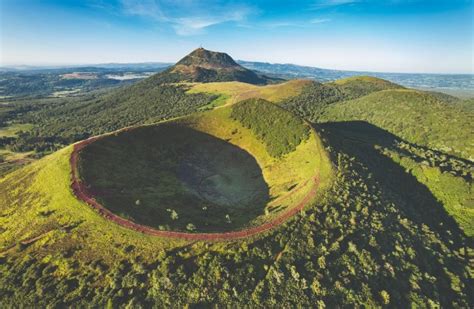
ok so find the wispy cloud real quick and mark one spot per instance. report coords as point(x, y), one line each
point(330, 3)
point(281, 24)
point(146, 8)
point(319, 20)
point(293, 24)
point(185, 16)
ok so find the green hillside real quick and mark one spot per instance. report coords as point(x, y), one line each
point(59, 123)
point(415, 116)
point(358, 86)
point(432, 135)
point(315, 97)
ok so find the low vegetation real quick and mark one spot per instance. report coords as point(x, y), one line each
point(234, 92)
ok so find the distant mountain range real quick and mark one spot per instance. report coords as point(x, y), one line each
point(456, 84)
point(144, 66)
point(459, 84)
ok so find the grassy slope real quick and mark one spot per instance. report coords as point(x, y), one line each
point(37, 200)
point(11, 160)
point(13, 129)
point(237, 91)
point(415, 116)
point(455, 192)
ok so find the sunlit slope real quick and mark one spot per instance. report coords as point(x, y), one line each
point(357, 86)
point(313, 97)
point(432, 139)
point(376, 237)
point(429, 134)
point(233, 92)
point(415, 116)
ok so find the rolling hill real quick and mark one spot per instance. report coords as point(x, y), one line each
point(415, 116)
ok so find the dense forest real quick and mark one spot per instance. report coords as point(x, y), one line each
point(59, 122)
point(42, 83)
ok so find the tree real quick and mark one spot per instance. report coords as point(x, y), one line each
point(385, 297)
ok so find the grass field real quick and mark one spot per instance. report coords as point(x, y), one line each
point(13, 129)
point(11, 160)
point(234, 92)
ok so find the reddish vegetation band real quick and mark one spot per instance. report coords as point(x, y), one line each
point(82, 193)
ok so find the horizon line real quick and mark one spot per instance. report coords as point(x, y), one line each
point(40, 66)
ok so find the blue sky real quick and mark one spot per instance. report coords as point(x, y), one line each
point(394, 35)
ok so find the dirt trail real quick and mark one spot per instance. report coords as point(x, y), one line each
point(82, 193)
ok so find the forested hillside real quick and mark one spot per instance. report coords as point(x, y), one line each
point(430, 135)
point(70, 120)
point(417, 117)
point(314, 98)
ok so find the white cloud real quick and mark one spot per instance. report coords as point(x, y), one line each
point(319, 20)
point(329, 3)
point(185, 16)
point(279, 24)
point(293, 24)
